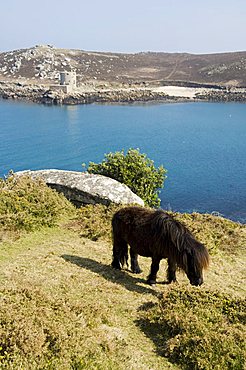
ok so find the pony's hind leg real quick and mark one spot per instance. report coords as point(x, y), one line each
point(134, 262)
point(171, 271)
point(120, 254)
point(153, 270)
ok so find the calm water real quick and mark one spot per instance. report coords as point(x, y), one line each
point(202, 145)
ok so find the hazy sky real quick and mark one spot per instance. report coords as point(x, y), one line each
point(194, 26)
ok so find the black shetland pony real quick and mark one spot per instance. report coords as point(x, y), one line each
point(156, 234)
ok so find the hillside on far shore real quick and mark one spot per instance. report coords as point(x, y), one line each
point(42, 64)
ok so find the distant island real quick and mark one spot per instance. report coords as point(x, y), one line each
point(45, 74)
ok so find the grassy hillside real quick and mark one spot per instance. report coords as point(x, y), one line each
point(64, 307)
point(42, 64)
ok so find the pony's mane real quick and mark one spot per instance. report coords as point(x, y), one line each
point(173, 232)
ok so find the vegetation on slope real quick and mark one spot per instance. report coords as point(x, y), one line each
point(198, 329)
point(217, 233)
point(44, 330)
point(171, 68)
point(27, 204)
point(62, 306)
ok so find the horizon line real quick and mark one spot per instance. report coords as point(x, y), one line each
point(122, 52)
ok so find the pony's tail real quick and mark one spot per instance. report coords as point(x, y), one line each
point(124, 256)
point(120, 247)
point(120, 254)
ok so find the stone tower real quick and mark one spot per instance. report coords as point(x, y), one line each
point(68, 79)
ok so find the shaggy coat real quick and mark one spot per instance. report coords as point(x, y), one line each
point(156, 234)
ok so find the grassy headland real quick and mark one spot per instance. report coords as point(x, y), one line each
point(64, 307)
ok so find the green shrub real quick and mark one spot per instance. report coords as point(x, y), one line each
point(26, 204)
point(136, 171)
point(201, 330)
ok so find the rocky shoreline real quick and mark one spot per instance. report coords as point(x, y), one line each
point(47, 95)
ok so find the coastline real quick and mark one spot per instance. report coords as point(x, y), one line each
point(50, 95)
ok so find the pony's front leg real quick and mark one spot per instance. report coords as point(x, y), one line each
point(134, 262)
point(153, 270)
point(171, 271)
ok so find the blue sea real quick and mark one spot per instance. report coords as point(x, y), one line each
point(202, 145)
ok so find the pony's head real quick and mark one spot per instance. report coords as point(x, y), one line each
point(196, 259)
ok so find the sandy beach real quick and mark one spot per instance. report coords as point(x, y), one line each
point(185, 92)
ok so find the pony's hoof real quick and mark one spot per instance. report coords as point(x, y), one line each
point(151, 282)
point(171, 281)
point(116, 265)
point(136, 271)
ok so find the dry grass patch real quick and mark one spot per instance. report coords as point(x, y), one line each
point(198, 329)
point(27, 204)
point(94, 221)
point(217, 233)
point(75, 310)
point(48, 331)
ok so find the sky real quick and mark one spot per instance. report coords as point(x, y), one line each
point(129, 26)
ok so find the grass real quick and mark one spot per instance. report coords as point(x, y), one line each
point(217, 233)
point(62, 306)
point(27, 204)
point(198, 329)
